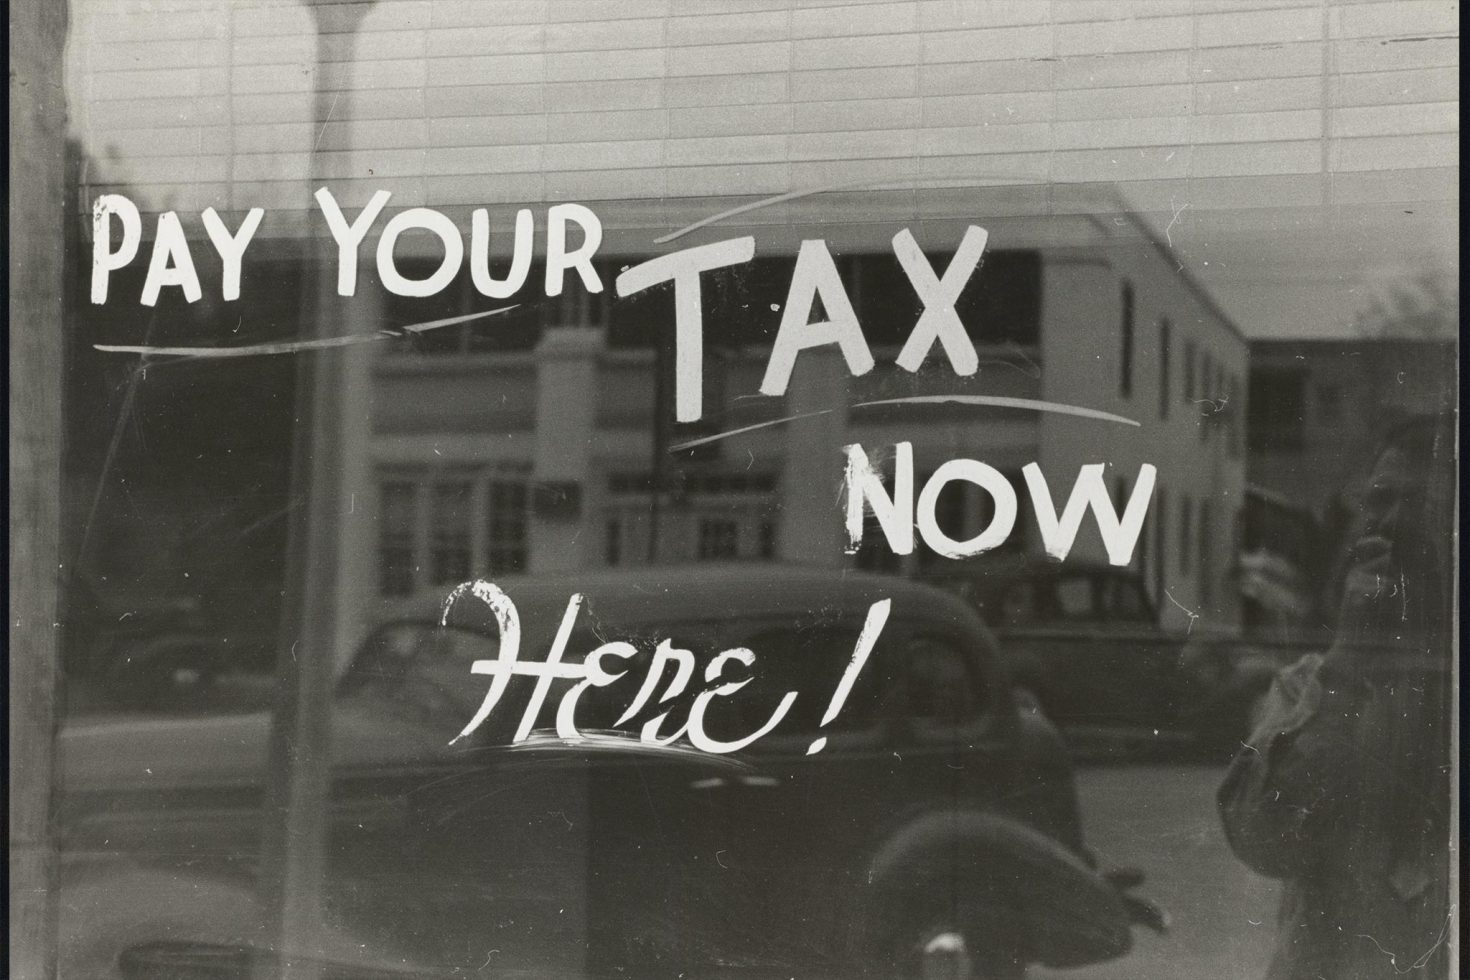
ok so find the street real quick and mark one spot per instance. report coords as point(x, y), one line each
point(1161, 819)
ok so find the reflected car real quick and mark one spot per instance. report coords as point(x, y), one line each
point(937, 826)
point(1083, 641)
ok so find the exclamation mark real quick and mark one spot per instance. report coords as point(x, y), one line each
point(877, 617)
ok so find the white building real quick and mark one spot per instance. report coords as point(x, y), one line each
point(541, 457)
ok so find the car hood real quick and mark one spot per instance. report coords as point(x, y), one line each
point(127, 753)
point(124, 754)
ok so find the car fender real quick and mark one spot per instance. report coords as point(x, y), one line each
point(101, 916)
point(105, 916)
point(1069, 913)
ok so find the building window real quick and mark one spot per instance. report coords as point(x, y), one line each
point(612, 541)
point(399, 503)
point(1329, 404)
point(1164, 368)
point(1187, 392)
point(1207, 394)
point(1204, 550)
point(718, 538)
point(450, 532)
point(716, 514)
point(576, 306)
point(516, 329)
point(952, 509)
point(1120, 496)
point(1234, 431)
point(507, 536)
point(438, 530)
point(1161, 552)
point(1186, 533)
point(1144, 552)
point(1000, 303)
point(1277, 405)
point(1125, 378)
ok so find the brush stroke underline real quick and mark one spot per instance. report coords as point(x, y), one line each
point(991, 401)
point(293, 346)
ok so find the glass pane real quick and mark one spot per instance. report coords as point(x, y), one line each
point(351, 340)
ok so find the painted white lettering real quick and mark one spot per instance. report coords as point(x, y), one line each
point(987, 478)
point(104, 259)
point(520, 260)
point(895, 514)
point(428, 220)
point(231, 248)
point(1119, 536)
point(171, 263)
point(939, 321)
point(559, 260)
point(683, 268)
point(349, 237)
point(815, 276)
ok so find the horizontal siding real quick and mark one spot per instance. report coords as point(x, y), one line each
point(608, 99)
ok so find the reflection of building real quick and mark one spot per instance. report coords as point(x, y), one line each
point(1318, 407)
point(530, 444)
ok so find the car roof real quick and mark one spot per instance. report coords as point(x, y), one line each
point(653, 595)
point(1005, 567)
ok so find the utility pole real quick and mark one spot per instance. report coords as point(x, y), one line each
point(298, 792)
point(37, 340)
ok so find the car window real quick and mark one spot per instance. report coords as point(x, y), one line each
point(1075, 598)
point(602, 707)
point(811, 660)
point(419, 669)
point(1016, 606)
point(940, 682)
point(1126, 601)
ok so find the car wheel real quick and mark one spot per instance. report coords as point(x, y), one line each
point(967, 943)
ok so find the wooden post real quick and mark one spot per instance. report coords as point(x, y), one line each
point(37, 334)
point(298, 792)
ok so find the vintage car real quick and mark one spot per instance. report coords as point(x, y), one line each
point(937, 826)
point(1084, 642)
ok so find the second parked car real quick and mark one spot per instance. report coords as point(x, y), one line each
point(1084, 641)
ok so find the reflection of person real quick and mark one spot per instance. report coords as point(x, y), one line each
point(1344, 788)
